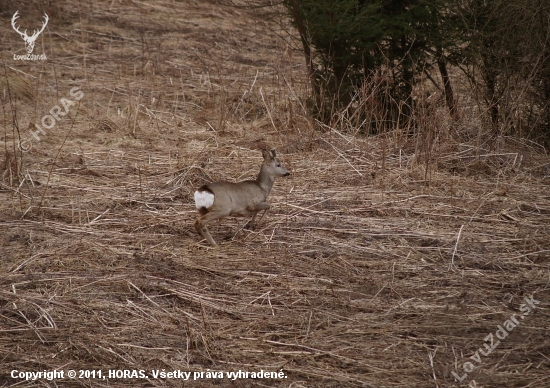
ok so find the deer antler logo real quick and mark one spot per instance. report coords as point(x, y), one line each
point(29, 40)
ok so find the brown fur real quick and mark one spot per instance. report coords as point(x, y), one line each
point(242, 199)
point(205, 188)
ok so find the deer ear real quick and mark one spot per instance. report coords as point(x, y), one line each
point(274, 153)
point(266, 155)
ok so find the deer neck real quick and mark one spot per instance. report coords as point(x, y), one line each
point(264, 180)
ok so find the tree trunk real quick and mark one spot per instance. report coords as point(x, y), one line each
point(491, 96)
point(295, 10)
point(447, 87)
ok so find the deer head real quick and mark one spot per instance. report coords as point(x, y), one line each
point(29, 40)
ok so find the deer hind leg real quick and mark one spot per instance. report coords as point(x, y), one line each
point(201, 228)
point(200, 225)
point(256, 209)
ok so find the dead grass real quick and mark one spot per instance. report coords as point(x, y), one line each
point(384, 263)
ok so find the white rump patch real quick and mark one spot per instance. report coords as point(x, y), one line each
point(203, 199)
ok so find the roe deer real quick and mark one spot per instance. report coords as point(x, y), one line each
point(247, 198)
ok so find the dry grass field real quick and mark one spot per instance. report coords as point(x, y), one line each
point(386, 261)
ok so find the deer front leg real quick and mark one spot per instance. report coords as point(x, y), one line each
point(256, 209)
